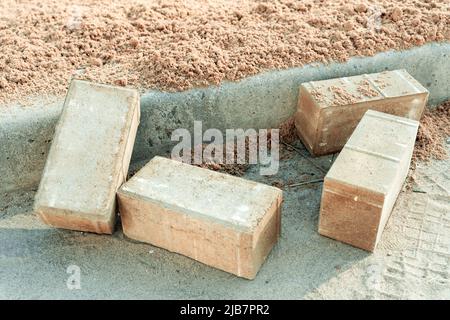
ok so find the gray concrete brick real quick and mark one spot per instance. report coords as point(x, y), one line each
point(362, 186)
point(223, 221)
point(329, 110)
point(89, 157)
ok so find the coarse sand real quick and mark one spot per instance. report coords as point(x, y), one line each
point(176, 45)
point(434, 132)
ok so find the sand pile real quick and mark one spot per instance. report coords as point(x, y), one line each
point(175, 45)
point(434, 130)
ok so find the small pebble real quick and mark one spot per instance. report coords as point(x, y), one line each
point(361, 7)
point(396, 14)
point(348, 26)
point(3, 82)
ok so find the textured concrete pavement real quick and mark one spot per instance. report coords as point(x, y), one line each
point(412, 259)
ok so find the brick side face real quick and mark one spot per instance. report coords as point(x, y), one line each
point(215, 240)
point(89, 158)
point(328, 111)
point(361, 188)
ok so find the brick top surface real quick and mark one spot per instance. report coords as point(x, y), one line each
point(370, 158)
point(363, 88)
point(202, 192)
point(85, 157)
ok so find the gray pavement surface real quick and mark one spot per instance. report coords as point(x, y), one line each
point(411, 261)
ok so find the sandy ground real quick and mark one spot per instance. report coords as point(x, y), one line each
point(434, 128)
point(411, 261)
point(175, 45)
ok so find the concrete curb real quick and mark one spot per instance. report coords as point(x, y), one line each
point(261, 101)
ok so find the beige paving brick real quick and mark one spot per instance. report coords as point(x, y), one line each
point(329, 110)
point(88, 158)
point(362, 186)
point(223, 221)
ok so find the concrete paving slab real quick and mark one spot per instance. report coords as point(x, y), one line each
point(362, 186)
point(223, 221)
point(329, 110)
point(89, 157)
